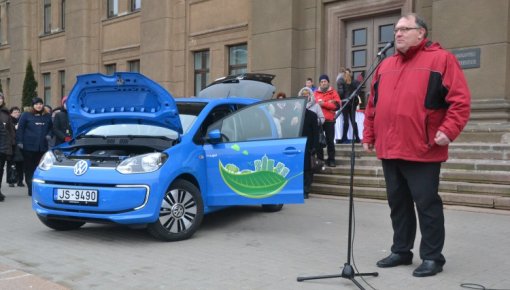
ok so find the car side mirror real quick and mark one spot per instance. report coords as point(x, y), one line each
point(214, 136)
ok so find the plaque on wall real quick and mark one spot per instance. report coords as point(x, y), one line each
point(468, 57)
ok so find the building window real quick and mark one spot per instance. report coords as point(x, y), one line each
point(201, 59)
point(4, 24)
point(238, 59)
point(62, 80)
point(386, 35)
point(110, 68)
point(134, 65)
point(63, 14)
point(47, 88)
point(47, 16)
point(136, 5)
point(113, 8)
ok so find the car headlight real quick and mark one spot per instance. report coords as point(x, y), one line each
point(142, 163)
point(47, 161)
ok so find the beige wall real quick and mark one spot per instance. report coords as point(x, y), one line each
point(292, 39)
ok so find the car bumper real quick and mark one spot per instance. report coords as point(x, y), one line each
point(119, 202)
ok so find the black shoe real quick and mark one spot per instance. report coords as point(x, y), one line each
point(2, 197)
point(11, 184)
point(428, 268)
point(331, 163)
point(357, 140)
point(20, 184)
point(394, 260)
point(306, 195)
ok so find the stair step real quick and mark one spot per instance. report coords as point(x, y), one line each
point(480, 176)
point(477, 200)
point(495, 153)
point(461, 164)
point(449, 185)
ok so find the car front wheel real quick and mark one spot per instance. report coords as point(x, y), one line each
point(180, 214)
point(60, 225)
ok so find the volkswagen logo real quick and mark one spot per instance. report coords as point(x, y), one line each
point(81, 167)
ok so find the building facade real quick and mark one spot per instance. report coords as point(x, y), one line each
point(185, 44)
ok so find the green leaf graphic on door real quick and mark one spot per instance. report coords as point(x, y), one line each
point(266, 180)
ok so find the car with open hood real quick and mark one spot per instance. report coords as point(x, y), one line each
point(142, 158)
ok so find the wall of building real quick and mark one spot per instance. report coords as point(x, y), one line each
point(293, 39)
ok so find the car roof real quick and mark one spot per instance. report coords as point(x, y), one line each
point(233, 100)
point(250, 85)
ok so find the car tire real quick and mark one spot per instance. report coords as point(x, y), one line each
point(272, 207)
point(181, 212)
point(60, 225)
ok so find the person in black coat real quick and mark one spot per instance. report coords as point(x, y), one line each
point(15, 165)
point(311, 132)
point(34, 128)
point(61, 126)
point(7, 135)
point(349, 85)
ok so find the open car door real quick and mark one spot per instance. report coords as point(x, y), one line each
point(255, 156)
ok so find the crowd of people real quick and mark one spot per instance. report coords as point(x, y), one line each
point(26, 136)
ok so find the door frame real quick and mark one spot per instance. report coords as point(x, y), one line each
point(337, 14)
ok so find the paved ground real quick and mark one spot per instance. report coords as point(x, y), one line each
point(244, 248)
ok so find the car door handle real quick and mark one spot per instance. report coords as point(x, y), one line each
point(291, 151)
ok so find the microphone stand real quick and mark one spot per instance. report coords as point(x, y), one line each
point(348, 271)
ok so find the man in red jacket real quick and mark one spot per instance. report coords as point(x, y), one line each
point(328, 99)
point(419, 103)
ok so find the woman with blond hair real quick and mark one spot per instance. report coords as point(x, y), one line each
point(349, 86)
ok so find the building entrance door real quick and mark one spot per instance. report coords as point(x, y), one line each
point(365, 37)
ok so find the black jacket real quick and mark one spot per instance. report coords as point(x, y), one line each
point(61, 127)
point(311, 132)
point(7, 132)
point(32, 131)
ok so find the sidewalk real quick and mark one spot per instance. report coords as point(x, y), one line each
point(244, 248)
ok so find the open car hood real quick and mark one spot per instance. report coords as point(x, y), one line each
point(123, 97)
point(248, 85)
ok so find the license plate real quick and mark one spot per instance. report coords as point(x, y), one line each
point(77, 196)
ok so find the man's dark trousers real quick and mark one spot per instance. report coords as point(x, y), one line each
point(409, 182)
point(329, 131)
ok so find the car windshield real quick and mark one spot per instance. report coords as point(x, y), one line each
point(188, 112)
point(140, 130)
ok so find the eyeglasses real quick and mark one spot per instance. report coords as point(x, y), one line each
point(404, 29)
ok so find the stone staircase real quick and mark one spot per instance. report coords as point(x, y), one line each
point(477, 173)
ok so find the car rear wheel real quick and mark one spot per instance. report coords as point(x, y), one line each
point(60, 225)
point(272, 207)
point(180, 214)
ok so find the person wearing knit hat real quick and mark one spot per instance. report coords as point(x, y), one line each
point(324, 77)
point(34, 128)
point(7, 137)
point(328, 99)
point(37, 100)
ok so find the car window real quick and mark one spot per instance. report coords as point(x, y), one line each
point(260, 122)
point(188, 113)
point(214, 115)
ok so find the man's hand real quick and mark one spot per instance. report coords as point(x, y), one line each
point(441, 139)
point(20, 145)
point(368, 147)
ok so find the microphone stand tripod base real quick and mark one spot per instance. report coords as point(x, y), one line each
point(347, 273)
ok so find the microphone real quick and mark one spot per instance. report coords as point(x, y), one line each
point(385, 48)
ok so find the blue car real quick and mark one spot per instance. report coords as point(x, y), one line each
point(139, 157)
